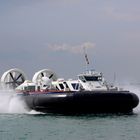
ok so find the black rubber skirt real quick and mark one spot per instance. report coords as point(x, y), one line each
point(82, 102)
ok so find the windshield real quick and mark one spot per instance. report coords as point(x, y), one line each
point(93, 78)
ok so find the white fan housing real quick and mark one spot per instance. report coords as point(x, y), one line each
point(13, 78)
point(44, 78)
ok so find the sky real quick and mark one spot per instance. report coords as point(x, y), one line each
point(38, 34)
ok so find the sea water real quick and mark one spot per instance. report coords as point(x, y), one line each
point(18, 123)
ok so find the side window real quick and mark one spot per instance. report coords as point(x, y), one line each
point(75, 86)
point(61, 86)
point(66, 85)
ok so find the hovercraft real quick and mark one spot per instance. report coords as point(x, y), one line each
point(90, 93)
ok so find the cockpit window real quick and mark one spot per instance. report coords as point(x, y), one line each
point(93, 78)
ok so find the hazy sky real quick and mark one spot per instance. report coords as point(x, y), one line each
point(37, 34)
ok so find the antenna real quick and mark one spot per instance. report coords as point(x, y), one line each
point(86, 58)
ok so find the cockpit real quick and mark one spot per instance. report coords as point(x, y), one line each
point(90, 78)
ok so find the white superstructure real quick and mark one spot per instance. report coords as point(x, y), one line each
point(90, 81)
point(47, 80)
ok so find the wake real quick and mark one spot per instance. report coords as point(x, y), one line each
point(11, 103)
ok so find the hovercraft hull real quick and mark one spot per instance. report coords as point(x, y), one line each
point(82, 102)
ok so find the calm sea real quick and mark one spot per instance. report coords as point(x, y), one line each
point(22, 125)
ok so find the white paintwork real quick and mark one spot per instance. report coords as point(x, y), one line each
point(27, 86)
point(47, 80)
point(90, 81)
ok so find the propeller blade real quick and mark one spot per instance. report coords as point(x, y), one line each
point(50, 76)
point(42, 74)
point(12, 76)
point(9, 83)
point(18, 77)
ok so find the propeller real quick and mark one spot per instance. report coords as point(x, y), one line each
point(44, 73)
point(13, 78)
point(15, 81)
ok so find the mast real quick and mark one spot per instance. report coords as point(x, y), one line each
point(86, 58)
